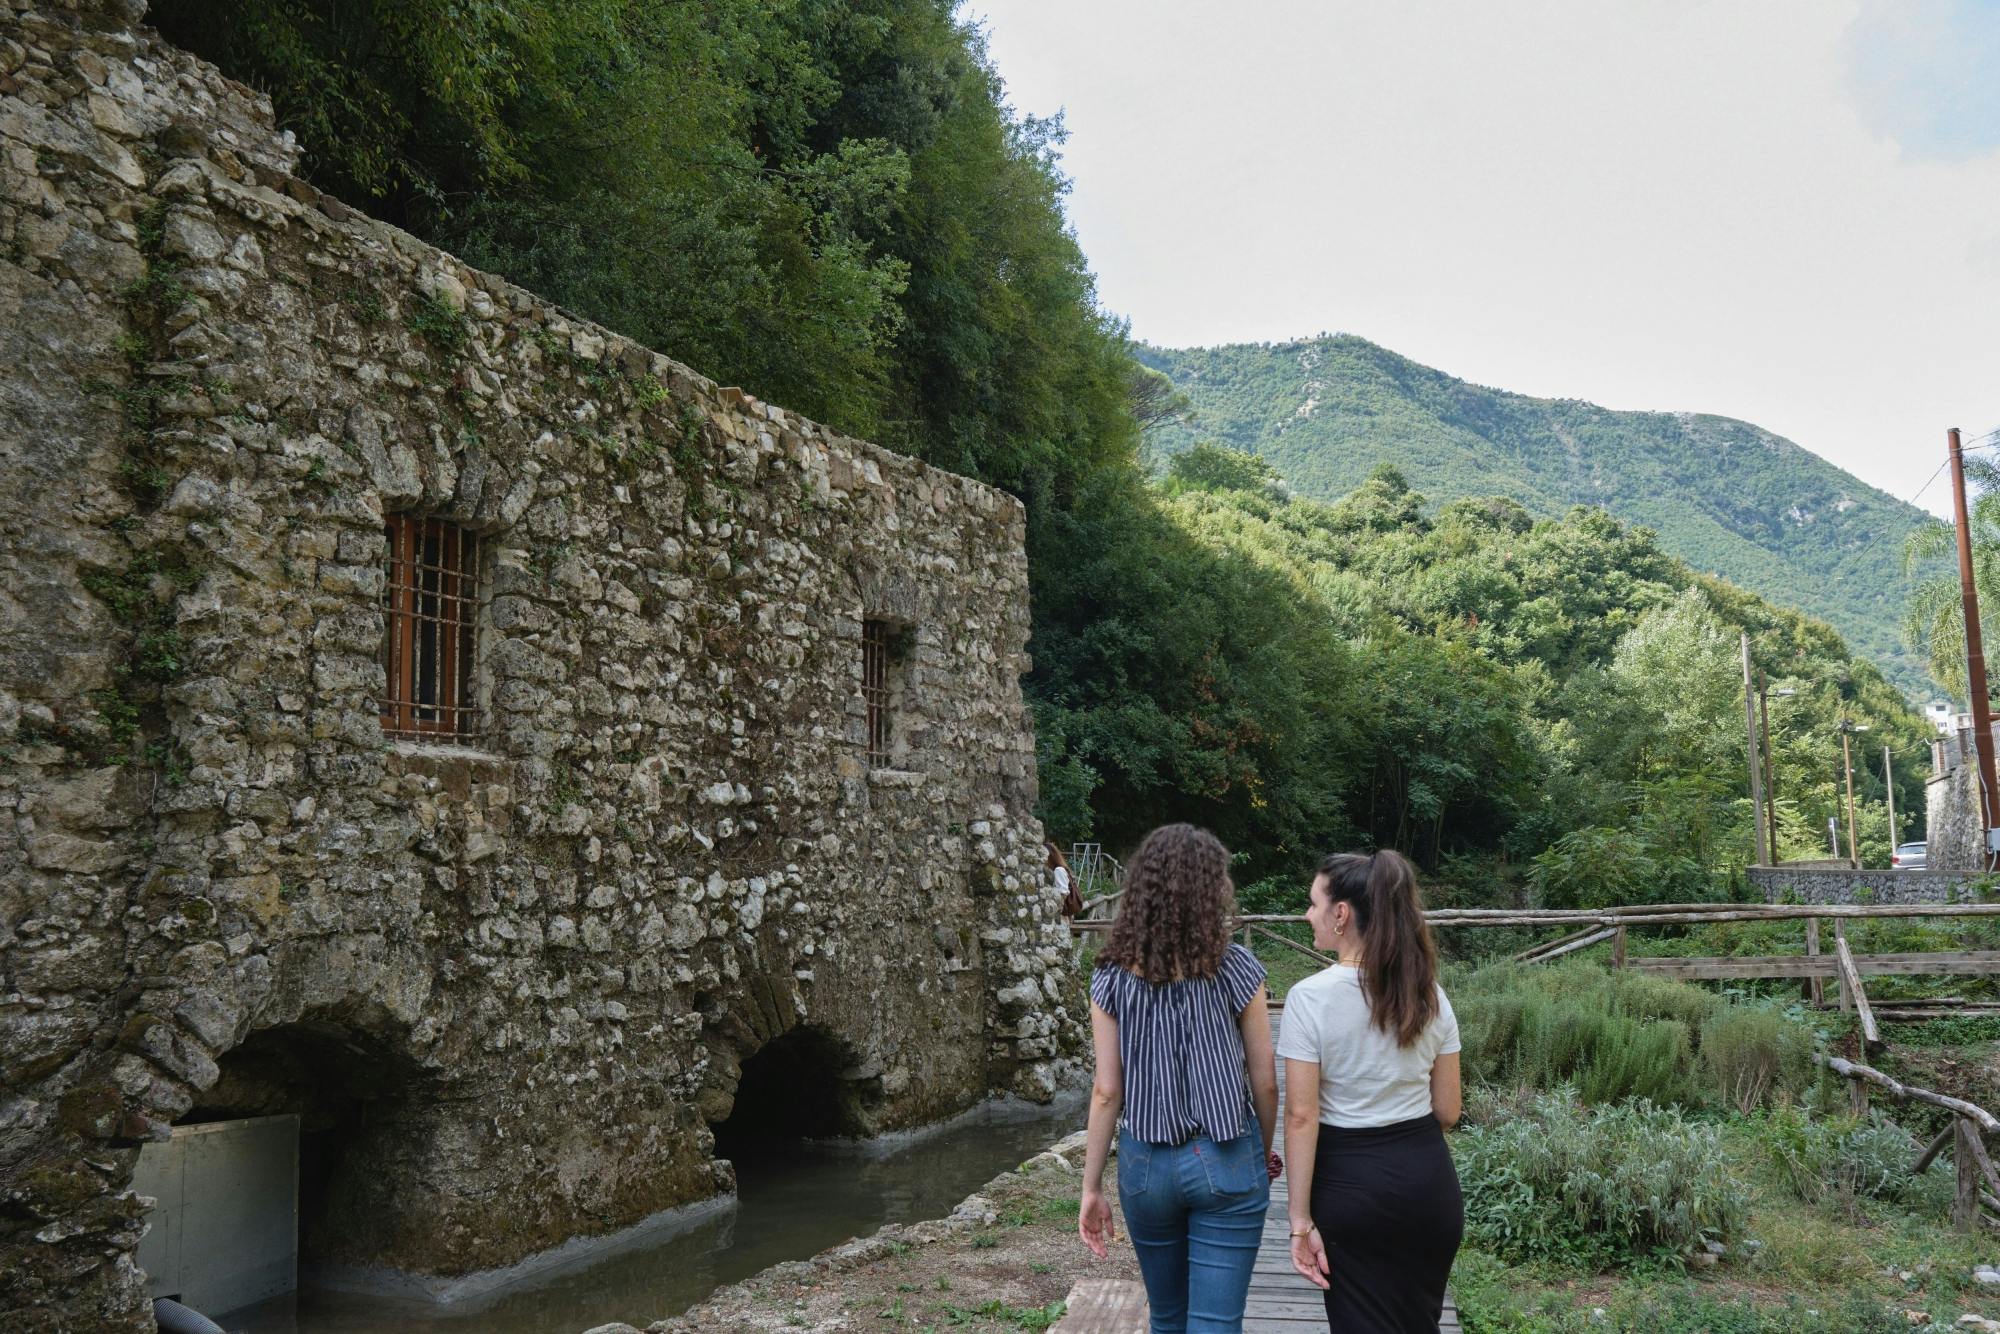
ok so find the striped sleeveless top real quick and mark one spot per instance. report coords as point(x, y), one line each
point(1181, 1049)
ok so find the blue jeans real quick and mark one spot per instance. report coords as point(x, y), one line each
point(1195, 1213)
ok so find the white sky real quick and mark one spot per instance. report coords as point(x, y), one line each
point(1786, 211)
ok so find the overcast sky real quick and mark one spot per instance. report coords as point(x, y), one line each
point(1786, 211)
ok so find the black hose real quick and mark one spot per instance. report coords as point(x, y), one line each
point(173, 1318)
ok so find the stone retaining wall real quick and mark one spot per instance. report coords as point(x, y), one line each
point(1818, 885)
point(510, 985)
point(1953, 820)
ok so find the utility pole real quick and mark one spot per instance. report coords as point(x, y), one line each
point(1847, 762)
point(1889, 791)
point(1756, 760)
point(1764, 698)
point(1770, 778)
point(1975, 653)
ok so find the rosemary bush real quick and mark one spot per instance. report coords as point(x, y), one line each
point(1612, 1035)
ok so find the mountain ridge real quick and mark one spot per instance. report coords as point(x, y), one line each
point(1725, 495)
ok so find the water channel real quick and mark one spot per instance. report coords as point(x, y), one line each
point(794, 1199)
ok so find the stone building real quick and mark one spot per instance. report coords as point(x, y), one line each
point(436, 716)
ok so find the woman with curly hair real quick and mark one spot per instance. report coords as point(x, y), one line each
point(1183, 1044)
point(1371, 1085)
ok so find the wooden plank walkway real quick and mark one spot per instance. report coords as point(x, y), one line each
point(1280, 1302)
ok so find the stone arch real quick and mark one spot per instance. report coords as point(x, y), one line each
point(807, 1083)
point(368, 1113)
point(779, 1068)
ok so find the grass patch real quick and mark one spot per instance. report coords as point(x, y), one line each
point(1018, 1317)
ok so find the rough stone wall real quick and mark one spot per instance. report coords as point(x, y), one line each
point(535, 966)
point(1951, 802)
point(1811, 885)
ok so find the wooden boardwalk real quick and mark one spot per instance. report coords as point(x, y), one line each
point(1280, 1301)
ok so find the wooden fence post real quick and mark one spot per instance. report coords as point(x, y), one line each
point(1965, 1203)
point(1839, 939)
point(1618, 949)
point(1815, 986)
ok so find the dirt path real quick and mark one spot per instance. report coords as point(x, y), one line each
point(1002, 1262)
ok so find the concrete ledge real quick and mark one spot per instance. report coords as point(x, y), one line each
point(483, 1286)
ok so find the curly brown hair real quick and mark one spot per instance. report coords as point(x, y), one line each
point(1174, 920)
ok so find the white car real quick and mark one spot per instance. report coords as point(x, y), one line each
point(1910, 857)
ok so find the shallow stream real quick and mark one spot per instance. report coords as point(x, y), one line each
point(794, 1200)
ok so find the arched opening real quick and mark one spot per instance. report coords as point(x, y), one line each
point(800, 1085)
point(354, 1099)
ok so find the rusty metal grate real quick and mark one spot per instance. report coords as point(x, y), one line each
point(875, 689)
point(431, 605)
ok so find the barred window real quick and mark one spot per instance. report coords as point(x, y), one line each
point(875, 689)
point(430, 600)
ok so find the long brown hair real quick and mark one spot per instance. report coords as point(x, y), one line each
point(1174, 919)
point(1055, 857)
point(1398, 957)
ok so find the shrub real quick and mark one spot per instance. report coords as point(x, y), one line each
point(1612, 1034)
point(1755, 1052)
point(1600, 1187)
point(1838, 1157)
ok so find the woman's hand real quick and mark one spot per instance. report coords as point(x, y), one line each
point(1093, 1222)
point(1309, 1257)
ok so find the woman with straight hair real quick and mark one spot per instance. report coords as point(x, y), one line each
point(1057, 866)
point(1371, 1084)
point(1183, 1044)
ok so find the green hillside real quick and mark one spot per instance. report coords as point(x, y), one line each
point(1725, 496)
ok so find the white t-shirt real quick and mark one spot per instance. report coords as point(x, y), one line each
point(1365, 1079)
point(1060, 875)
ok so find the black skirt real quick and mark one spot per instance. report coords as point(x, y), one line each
point(1387, 1206)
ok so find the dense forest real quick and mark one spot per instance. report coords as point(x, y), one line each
point(1723, 495)
point(1476, 686)
point(830, 203)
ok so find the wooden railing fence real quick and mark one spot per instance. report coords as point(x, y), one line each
point(1976, 1200)
point(1814, 966)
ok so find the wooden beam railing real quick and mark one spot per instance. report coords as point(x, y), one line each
point(1569, 944)
point(1648, 914)
point(1587, 927)
point(1266, 933)
point(1852, 996)
point(1978, 1182)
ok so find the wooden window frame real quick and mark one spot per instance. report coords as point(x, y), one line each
point(875, 694)
point(430, 650)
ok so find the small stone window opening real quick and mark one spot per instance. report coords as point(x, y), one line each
point(430, 649)
point(875, 688)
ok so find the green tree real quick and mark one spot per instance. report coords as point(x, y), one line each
point(1934, 624)
point(1215, 468)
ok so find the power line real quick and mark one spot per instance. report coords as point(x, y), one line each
point(1990, 440)
point(1927, 485)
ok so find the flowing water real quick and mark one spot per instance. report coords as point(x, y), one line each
point(793, 1200)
